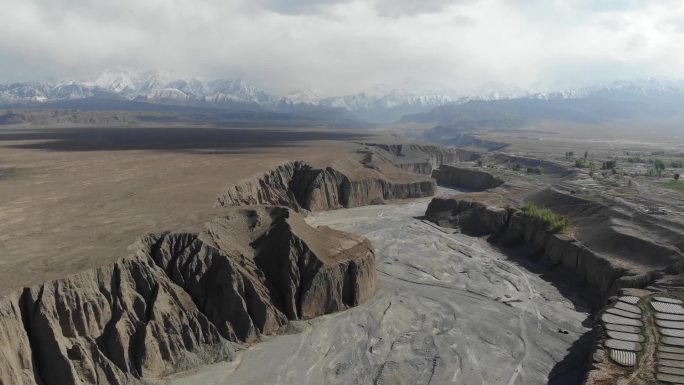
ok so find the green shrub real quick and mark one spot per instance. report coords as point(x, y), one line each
point(545, 218)
point(674, 185)
point(592, 166)
point(581, 163)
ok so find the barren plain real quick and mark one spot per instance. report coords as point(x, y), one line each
point(75, 198)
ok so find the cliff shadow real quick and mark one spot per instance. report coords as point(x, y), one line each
point(564, 280)
point(185, 139)
point(572, 369)
point(456, 189)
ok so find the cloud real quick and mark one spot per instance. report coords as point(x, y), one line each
point(339, 46)
point(389, 8)
point(298, 7)
point(399, 8)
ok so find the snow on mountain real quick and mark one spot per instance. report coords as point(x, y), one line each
point(380, 103)
point(166, 95)
point(158, 88)
point(43, 92)
point(33, 92)
point(642, 87)
point(221, 90)
point(117, 80)
point(382, 97)
point(142, 86)
point(305, 97)
point(192, 87)
point(398, 98)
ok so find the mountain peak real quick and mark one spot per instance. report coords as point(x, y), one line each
point(301, 97)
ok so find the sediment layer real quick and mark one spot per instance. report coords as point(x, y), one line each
point(604, 271)
point(466, 177)
point(421, 158)
point(301, 186)
point(181, 300)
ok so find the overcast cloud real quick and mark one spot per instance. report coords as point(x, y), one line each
point(342, 46)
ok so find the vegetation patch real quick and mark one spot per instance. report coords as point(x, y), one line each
point(674, 185)
point(545, 218)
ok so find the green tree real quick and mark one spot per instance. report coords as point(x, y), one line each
point(676, 176)
point(609, 165)
point(659, 165)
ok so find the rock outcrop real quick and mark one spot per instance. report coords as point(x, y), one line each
point(16, 357)
point(421, 158)
point(466, 177)
point(472, 217)
point(605, 270)
point(546, 167)
point(182, 299)
point(116, 323)
point(300, 186)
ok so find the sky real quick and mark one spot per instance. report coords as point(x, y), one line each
point(344, 46)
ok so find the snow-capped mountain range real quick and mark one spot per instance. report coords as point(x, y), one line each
point(381, 104)
point(157, 88)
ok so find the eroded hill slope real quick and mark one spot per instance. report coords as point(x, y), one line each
point(182, 299)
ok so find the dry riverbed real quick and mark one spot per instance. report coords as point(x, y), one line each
point(451, 309)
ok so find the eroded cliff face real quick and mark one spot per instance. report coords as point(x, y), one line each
point(182, 299)
point(603, 271)
point(117, 323)
point(472, 217)
point(421, 158)
point(466, 177)
point(547, 167)
point(16, 359)
point(300, 186)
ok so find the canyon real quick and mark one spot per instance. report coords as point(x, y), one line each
point(447, 281)
point(450, 308)
point(180, 299)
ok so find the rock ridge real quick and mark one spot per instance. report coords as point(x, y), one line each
point(420, 158)
point(181, 300)
point(466, 177)
point(301, 186)
point(606, 275)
